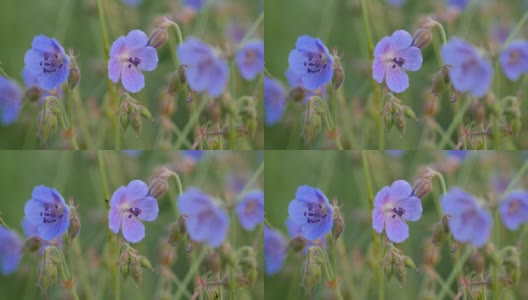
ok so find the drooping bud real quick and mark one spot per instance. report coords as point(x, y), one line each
point(296, 94)
point(33, 94)
point(145, 112)
point(145, 263)
point(48, 271)
point(124, 261)
point(311, 120)
point(177, 80)
point(174, 234)
point(181, 224)
point(33, 244)
point(400, 121)
point(400, 271)
point(338, 77)
point(409, 112)
point(388, 120)
point(136, 272)
point(422, 37)
point(408, 262)
point(158, 187)
point(47, 123)
point(438, 234)
point(445, 224)
point(136, 121)
point(157, 37)
point(422, 187)
point(74, 73)
point(311, 269)
point(297, 244)
point(338, 227)
point(75, 226)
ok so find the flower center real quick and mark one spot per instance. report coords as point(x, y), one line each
point(398, 211)
point(514, 206)
point(398, 61)
point(315, 213)
point(251, 206)
point(134, 211)
point(52, 213)
point(52, 62)
point(515, 55)
point(316, 62)
point(250, 56)
point(133, 61)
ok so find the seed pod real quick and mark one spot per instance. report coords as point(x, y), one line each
point(409, 112)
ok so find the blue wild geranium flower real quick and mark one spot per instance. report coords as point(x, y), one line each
point(194, 4)
point(294, 80)
point(11, 249)
point(468, 221)
point(205, 71)
point(274, 250)
point(10, 101)
point(514, 59)
point(392, 57)
point(128, 57)
point(31, 230)
point(295, 230)
point(250, 209)
point(311, 60)
point(47, 210)
point(469, 71)
point(393, 206)
point(47, 61)
point(311, 210)
point(274, 100)
point(205, 222)
point(514, 209)
point(128, 207)
point(250, 59)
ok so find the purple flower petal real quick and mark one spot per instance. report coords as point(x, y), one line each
point(42, 43)
point(397, 79)
point(114, 219)
point(136, 39)
point(133, 80)
point(378, 219)
point(114, 70)
point(378, 70)
point(133, 229)
point(397, 230)
point(400, 189)
point(118, 47)
point(118, 197)
point(148, 56)
point(412, 206)
point(400, 39)
point(149, 208)
point(413, 58)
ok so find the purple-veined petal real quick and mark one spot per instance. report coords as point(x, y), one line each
point(412, 206)
point(396, 229)
point(296, 60)
point(32, 60)
point(32, 211)
point(148, 56)
point(133, 230)
point(114, 70)
point(378, 70)
point(42, 44)
point(397, 80)
point(400, 189)
point(114, 219)
point(382, 197)
point(132, 79)
point(118, 48)
point(307, 43)
point(413, 58)
point(378, 219)
point(149, 208)
point(118, 197)
point(136, 190)
point(136, 39)
point(400, 39)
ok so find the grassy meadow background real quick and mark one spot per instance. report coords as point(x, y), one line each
point(76, 174)
point(341, 175)
point(339, 24)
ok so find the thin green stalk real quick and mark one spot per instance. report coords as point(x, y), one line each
point(454, 272)
point(454, 124)
point(253, 28)
point(189, 124)
point(190, 274)
point(113, 96)
point(334, 258)
point(496, 240)
point(377, 239)
point(231, 133)
point(3, 73)
point(117, 131)
point(67, 276)
point(104, 183)
point(517, 28)
point(517, 177)
point(381, 130)
point(253, 178)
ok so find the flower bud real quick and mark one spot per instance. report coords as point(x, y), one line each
point(431, 254)
point(213, 262)
point(388, 270)
point(157, 37)
point(177, 81)
point(476, 261)
point(422, 187)
point(296, 94)
point(400, 272)
point(33, 94)
point(409, 112)
point(422, 37)
point(74, 74)
point(409, 263)
point(47, 124)
point(174, 234)
point(438, 234)
point(400, 121)
point(158, 187)
point(338, 77)
point(338, 227)
point(145, 263)
point(124, 266)
point(136, 272)
point(75, 226)
point(445, 224)
point(136, 121)
point(123, 119)
point(181, 224)
point(33, 244)
point(311, 122)
point(48, 271)
point(438, 84)
point(311, 270)
point(145, 112)
point(297, 244)
point(388, 120)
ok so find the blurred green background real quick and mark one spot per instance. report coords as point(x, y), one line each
point(341, 175)
point(75, 24)
point(339, 24)
point(76, 174)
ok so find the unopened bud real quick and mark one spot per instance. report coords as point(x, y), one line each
point(311, 122)
point(311, 270)
point(33, 244)
point(145, 112)
point(445, 224)
point(181, 224)
point(158, 187)
point(409, 112)
point(476, 261)
point(145, 263)
point(47, 123)
point(400, 121)
point(177, 81)
point(338, 77)
point(388, 270)
point(73, 77)
point(123, 119)
point(438, 234)
point(174, 234)
point(157, 37)
point(296, 94)
point(136, 121)
point(33, 94)
point(297, 244)
point(422, 187)
point(409, 263)
point(388, 120)
point(136, 272)
point(338, 227)
point(400, 272)
point(422, 37)
point(75, 227)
